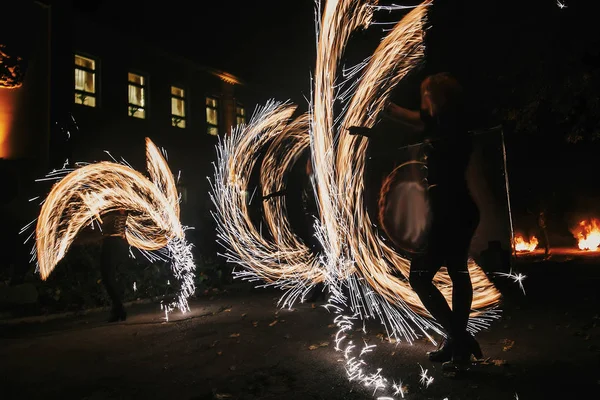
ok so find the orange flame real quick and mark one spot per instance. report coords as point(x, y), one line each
point(587, 233)
point(523, 245)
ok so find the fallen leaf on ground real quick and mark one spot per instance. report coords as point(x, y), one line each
point(219, 353)
point(234, 335)
point(331, 326)
point(313, 347)
point(499, 363)
point(244, 315)
point(313, 306)
point(324, 344)
point(227, 310)
point(508, 344)
point(222, 396)
point(255, 323)
point(273, 323)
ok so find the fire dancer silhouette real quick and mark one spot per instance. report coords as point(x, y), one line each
point(441, 123)
point(114, 254)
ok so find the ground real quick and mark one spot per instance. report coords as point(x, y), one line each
point(239, 345)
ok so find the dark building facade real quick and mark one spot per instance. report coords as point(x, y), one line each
point(89, 90)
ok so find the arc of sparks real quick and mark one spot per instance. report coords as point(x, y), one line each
point(396, 56)
point(246, 245)
point(353, 253)
point(89, 192)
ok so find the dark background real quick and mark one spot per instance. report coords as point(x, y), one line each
point(531, 66)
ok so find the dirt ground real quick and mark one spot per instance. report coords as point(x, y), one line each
point(239, 345)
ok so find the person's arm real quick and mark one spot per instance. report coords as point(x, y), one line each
point(409, 121)
point(410, 118)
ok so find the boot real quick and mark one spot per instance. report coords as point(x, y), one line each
point(443, 352)
point(474, 347)
point(463, 349)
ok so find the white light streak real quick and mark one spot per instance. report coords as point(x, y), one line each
point(425, 380)
point(398, 389)
point(517, 277)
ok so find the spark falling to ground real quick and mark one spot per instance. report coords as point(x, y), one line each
point(82, 196)
point(516, 277)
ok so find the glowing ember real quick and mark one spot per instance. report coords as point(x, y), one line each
point(587, 234)
point(523, 245)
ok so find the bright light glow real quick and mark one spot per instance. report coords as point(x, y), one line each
point(525, 245)
point(587, 233)
point(83, 195)
point(516, 277)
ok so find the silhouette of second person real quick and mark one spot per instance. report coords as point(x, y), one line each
point(442, 124)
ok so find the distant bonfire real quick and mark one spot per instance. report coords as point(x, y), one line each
point(522, 245)
point(587, 233)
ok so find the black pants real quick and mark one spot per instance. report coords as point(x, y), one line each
point(454, 220)
point(114, 255)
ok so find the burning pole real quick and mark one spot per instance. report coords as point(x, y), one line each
point(507, 186)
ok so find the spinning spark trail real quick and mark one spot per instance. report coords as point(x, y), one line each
point(85, 194)
point(366, 277)
point(399, 52)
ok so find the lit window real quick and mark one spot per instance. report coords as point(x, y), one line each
point(212, 116)
point(85, 81)
point(137, 96)
point(177, 107)
point(240, 114)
